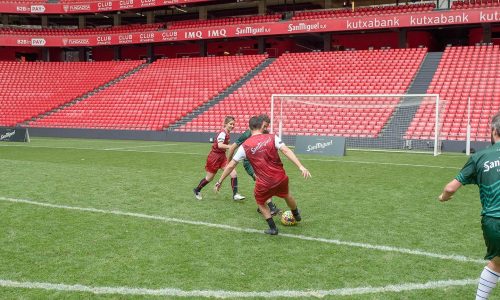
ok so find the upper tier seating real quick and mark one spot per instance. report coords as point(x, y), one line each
point(351, 72)
point(363, 11)
point(463, 72)
point(156, 96)
point(466, 4)
point(224, 21)
point(28, 89)
point(80, 32)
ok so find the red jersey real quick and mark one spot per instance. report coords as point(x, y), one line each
point(262, 152)
point(222, 137)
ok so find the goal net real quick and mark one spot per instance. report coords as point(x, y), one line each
point(409, 122)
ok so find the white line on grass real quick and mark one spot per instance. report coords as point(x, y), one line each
point(131, 147)
point(204, 154)
point(172, 292)
point(453, 257)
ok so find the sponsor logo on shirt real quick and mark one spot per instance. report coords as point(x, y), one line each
point(488, 165)
point(260, 145)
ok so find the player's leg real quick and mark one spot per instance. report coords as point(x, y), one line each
point(283, 192)
point(197, 190)
point(234, 186)
point(260, 197)
point(491, 272)
point(292, 204)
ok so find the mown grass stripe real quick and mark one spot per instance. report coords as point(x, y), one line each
point(417, 252)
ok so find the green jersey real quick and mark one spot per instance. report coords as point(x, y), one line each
point(483, 169)
point(243, 137)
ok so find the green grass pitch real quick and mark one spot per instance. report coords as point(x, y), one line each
point(121, 214)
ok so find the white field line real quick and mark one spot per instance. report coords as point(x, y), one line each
point(454, 257)
point(142, 146)
point(173, 292)
point(204, 154)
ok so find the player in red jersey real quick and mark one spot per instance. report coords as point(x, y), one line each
point(262, 151)
point(217, 160)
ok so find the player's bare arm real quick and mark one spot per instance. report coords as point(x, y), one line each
point(291, 156)
point(227, 170)
point(449, 190)
point(232, 148)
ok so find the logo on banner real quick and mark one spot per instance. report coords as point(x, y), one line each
point(484, 17)
point(252, 30)
point(125, 39)
point(217, 33)
point(7, 135)
point(193, 34)
point(104, 40)
point(169, 35)
point(147, 37)
point(441, 19)
point(305, 27)
point(65, 41)
point(78, 41)
point(126, 3)
point(373, 23)
point(108, 5)
point(148, 3)
point(23, 42)
point(77, 7)
point(37, 8)
point(65, 8)
point(170, 1)
point(38, 42)
point(22, 9)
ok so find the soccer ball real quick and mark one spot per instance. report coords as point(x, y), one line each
point(288, 219)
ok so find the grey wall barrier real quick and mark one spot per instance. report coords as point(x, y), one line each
point(14, 134)
point(322, 145)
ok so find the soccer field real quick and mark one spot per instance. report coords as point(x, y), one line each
point(118, 220)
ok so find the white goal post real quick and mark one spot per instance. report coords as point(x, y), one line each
point(391, 122)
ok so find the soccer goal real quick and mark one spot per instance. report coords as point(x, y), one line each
point(390, 122)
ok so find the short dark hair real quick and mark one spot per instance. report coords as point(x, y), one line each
point(265, 118)
point(495, 123)
point(255, 123)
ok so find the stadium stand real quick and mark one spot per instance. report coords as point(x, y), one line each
point(352, 72)
point(155, 96)
point(363, 11)
point(463, 72)
point(224, 21)
point(466, 4)
point(31, 88)
point(84, 31)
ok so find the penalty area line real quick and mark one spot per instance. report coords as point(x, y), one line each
point(173, 292)
point(454, 257)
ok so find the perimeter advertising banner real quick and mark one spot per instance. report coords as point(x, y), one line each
point(11, 134)
point(436, 18)
point(90, 7)
point(322, 145)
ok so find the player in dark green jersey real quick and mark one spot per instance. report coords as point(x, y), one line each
point(248, 167)
point(483, 169)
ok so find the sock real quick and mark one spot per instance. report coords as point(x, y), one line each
point(271, 223)
point(295, 212)
point(234, 185)
point(487, 282)
point(271, 206)
point(202, 183)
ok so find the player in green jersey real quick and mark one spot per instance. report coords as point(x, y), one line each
point(248, 167)
point(483, 169)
